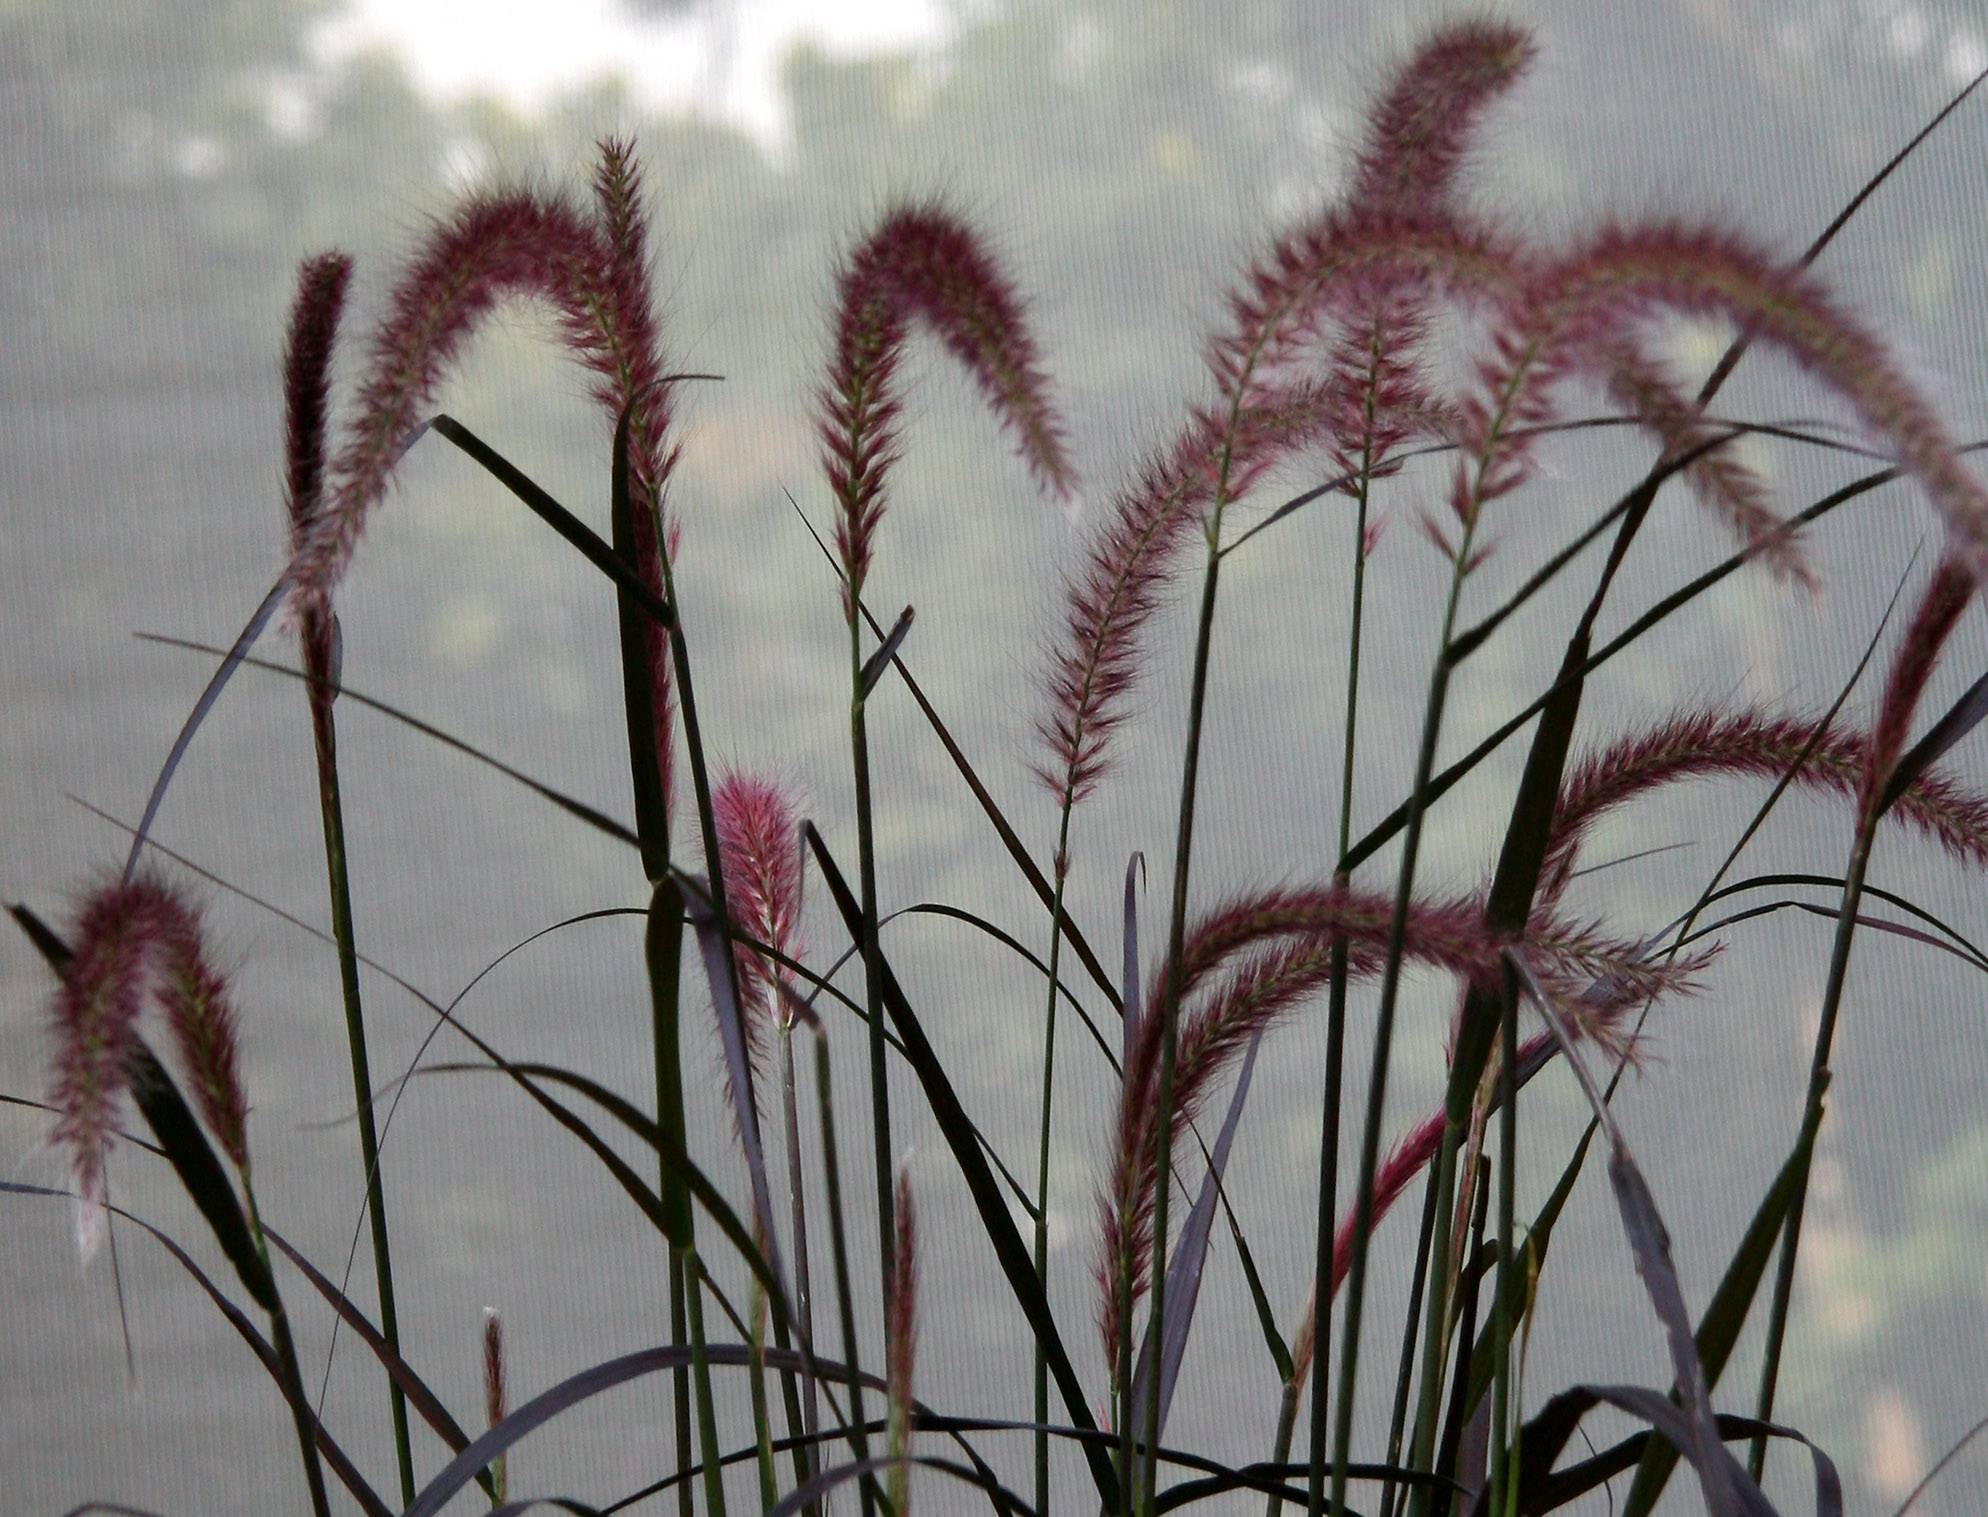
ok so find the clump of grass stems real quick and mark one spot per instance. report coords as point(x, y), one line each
point(1321, 358)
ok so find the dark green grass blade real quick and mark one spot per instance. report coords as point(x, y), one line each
point(322, 663)
point(1133, 1001)
point(419, 1394)
point(334, 1457)
point(695, 1182)
point(1963, 946)
point(1006, 832)
point(1960, 719)
point(1719, 1328)
point(878, 662)
point(1939, 1468)
point(1384, 832)
point(598, 820)
point(557, 517)
point(842, 1474)
point(230, 661)
point(187, 1150)
point(644, 766)
point(1542, 1490)
point(999, 1226)
point(1009, 941)
point(1726, 1486)
point(575, 1390)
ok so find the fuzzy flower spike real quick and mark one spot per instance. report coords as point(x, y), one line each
point(758, 848)
point(135, 944)
point(923, 264)
point(498, 245)
point(1367, 267)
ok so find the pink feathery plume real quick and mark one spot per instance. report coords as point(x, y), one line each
point(923, 264)
point(1725, 485)
point(135, 943)
point(758, 852)
point(1703, 744)
point(1577, 307)
point(901, 1346)
point(1283, 941)
point(640, 384)
point(313, 331)
point(1407, 1160)
point(1373, 261)
point(1945, 597)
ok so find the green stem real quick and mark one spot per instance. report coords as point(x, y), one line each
point(1819, 1074)
point(866, 855)
point(286, 1358)
point(838, 1237)
point(700, 1368)
point(1363, 1208)
point(1508, 1163)
point(762, 1415)
point(1170, 1005)
point(1042, 1162)
point(1280, 1447)
point(317, 659)
point(1335, 1022)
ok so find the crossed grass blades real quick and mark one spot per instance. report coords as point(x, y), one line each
point(1321, 357)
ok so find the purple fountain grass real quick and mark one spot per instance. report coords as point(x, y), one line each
point(640, 384)
point(923, 264)
point(1946, 595)
point(1578, 306)
point(1725, 485)
point(1369, 266)
point(1714, 742)
point(498, 244)
point(901, 1341)
point(1285, 940)
point(313, 330)
point(757, 843)
point(1408, 1159)
point(493, 1367)
point(1446, 933)
point(136, 943)
point(1421, 128)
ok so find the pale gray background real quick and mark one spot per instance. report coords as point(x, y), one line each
point(165, 174)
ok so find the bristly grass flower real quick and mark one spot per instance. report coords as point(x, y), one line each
point(1323, 353)
point(137, 945)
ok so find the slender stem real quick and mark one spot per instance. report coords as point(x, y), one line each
point(866, 856)
point(1791, 1237)
point(680, 1381)
point(1508, 1161)
point(1397, 1427)
point(838, 1237)
point(1062, 868)
point(317, 660)
point(700, 1368)
point(1335, 1011)
point(286, 1359)
point(1280, 1448)
point(1370, 1141)
point(1170, 1006)
point(762, 1416)
point(804, 1464)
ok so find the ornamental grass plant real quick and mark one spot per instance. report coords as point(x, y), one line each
point(1417, 359)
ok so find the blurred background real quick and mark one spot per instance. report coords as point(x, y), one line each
point(169, 164)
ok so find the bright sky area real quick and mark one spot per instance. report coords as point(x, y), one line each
point(724, 54)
